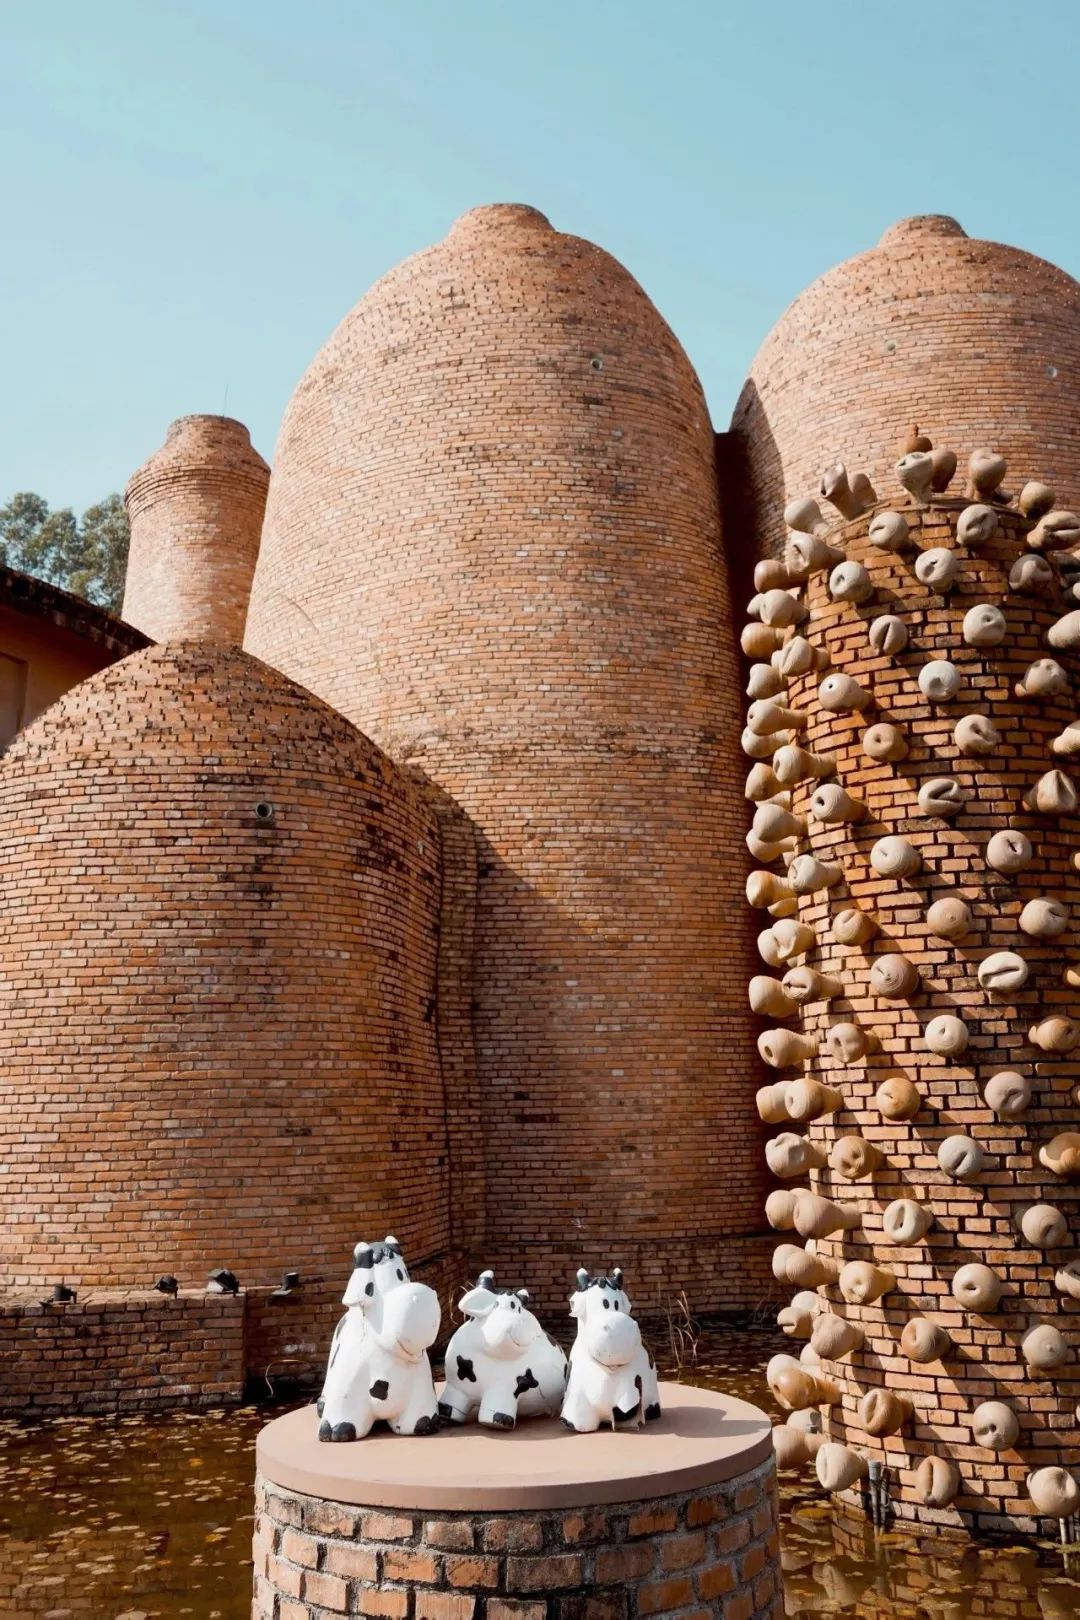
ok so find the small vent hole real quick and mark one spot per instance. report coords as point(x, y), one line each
point(264, 810)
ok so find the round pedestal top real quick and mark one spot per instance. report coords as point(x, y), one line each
point(701, 1439)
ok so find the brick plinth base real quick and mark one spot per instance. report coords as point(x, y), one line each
point(710, 1552)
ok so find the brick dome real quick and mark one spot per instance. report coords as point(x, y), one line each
point(976, 342)
point(196, 510)
point(219, 902)
point(492, 541)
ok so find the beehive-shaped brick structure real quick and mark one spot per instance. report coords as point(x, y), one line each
point(977, 342)
point(220, 913)
point(492, 541)
point(196, 510)
point(920, 995)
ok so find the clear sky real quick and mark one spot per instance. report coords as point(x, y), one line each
point(195, 191)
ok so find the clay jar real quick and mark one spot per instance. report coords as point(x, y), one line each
point(882, 1413)
point(796, 1319)
point(1003, 972)
point(923, 1341)
point(809, 554)
point(946, 1035)
point(767, 997)
point(977, 1288)
point(1062, 1155)
point(1045, 678)
point(834, 1338)
point(986, 469)
point(850, 582)
point(861, 1283)
point(1044, 1348)
point(884, 742)
point(838, 1467)
point(916, 472)
point(1008, 1093)
point(772, 1103)
point(790, 1447)
point(897, 1098)
point(1067, 742)
point(944, 464)
point(840, 694)
point(818, 1217)
point(807, 874)
point(797, 657)
point(791, 938)
point(1035, 499)
point(789, 1155)
point(793, 764)
point(806, 984)
point(995, 1426)
point(848, 1042)
point(904, 1221)
point(1056, 1034)
point(942, 796)
point(888, 634)
point(1044, 918)
point(937, 1482)
point(797, 1266)
point(960, 1157)
point(783, 1047)
point(1052, 795)
point(975, 734)
point(854, 1158)
point(1009, 851)
point(853, 926)
point(780, 1206)
point(831, 804)
point(949, 918)
point(771, 575)
point(893, 977)
point(761, 782)
point(889, 531)
point(937, 568)
point(1065, 633)
point(804, 515)
point(767, 716)
point(760, 640)
point(939, 680)
point(984, 626)
point(1054, 1492)
point(1044, 1226)
point(975, 526)
point(1056, 531)
point(895, 857)
point(809, 1100)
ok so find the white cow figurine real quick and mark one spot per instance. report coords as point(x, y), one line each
point(500, 1364)
point(612, 1377)
point(379, 1367)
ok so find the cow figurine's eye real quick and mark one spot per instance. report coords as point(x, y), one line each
point(607, 1305)
point(369, 1288)
point(616, 1305)
point(400, 1275)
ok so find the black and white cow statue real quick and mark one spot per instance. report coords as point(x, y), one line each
point(500, 1364)
point(378, 1367)
point(612, 1377)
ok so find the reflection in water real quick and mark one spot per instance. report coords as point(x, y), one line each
point(151, 1517)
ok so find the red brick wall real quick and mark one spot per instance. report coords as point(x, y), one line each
point(219, 1031)
point(977, 342)
point(709, 1552)
point(975, 1221)
point(492, 541)
point(196, 509)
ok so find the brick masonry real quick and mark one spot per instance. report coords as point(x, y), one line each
point(492, 541)
point(976, 1221)
point(196, 510)
point(709, 1553)
point(976, 341)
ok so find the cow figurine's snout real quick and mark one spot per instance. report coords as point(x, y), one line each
point(500, 1364)
point(379, 1367)
point(612, 1378)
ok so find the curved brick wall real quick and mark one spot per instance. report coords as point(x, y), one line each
point(977, 342)
point(219, 1029)
point(196, 510)
point(977, 1220)
point(492, 540)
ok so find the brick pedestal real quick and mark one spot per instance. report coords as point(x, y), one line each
point(710, 1549)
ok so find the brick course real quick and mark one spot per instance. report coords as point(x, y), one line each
point(314, 1558)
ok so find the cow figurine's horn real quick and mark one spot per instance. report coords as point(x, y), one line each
point(523, 1295)
point(392, 1244)
point(616, 1277)
point(582, 1278)
point(486, 1280)
point(363, 1255)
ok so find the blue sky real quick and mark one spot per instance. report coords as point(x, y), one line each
point(194, 193)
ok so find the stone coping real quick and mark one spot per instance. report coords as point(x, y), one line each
point(701, 1439)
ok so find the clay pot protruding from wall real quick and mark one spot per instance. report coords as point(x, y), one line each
point(849, 1043)
point(1045, 918)
point(881, 1412)
point(986, 469)
point(780, 1207)
point(832, 804)
point(984, 626)
point(884, 741)
point(804, 516)
point(791, 1264)
point(838, 1467)
point(938, 568)
point(977, 1288)
point(889, 531)
point(1056, 531)
point(818, 1217)
point(1008, 1093)
point(905, 1221)
point(946, 1035)
point(1054, 1034)
point(923, 1341)
point(789, 1155)
point(1044, 1348)
point(961, 1158)
point(995, 1426)
point(807, 874)
point(1061, 1155)
point(793, 764)
point(894, 977)
point(1035, 499)
point(1009, 851)
point(1052, 795)
point(898, 1098)
point(942, 796)
point(1054, 1492)
point(888, 634)
point(895, 857)
point(1044, 1226)
point(796, 1387)
point(797, 1319)
point(940, 680)
point(842, 694)
point(782, 1048)
point(850, 582)
point(833, 1337)
point(768, 998)
point(916, 473)
point(854, 1158)
point(1003, 972)
point(937, 1482)
point(838, 491)
point(976, 734)
point(1031, 575)
point(861, 1282)
point(808, 1099)
point(949, 918)
point(772, 1103)
point(806, 984)
point(975, 526)
point(1042, 679)
point(852, 926)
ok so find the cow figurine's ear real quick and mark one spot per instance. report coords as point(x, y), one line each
point(577, 1298)
point(363, 1255)
point(616, 1276)
point(479, 1301)
point(486, 1280)
point(392, 1244)
point(523, 1295)
point(582, 1279)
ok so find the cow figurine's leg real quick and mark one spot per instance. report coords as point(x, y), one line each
point(498, 1409)
point(626, 1405)
point(578, 1411)
point(650, 1397)
point(420, 1414)
point(456, 1403)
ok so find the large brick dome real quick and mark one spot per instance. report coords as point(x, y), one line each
point(219, 907)
point(492, 541)
point(977, 342)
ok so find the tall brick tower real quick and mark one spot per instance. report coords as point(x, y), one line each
point(196, 509)
point(978, 342)
point(492, 541)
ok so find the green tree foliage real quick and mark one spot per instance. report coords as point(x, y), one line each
point(87, 557)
